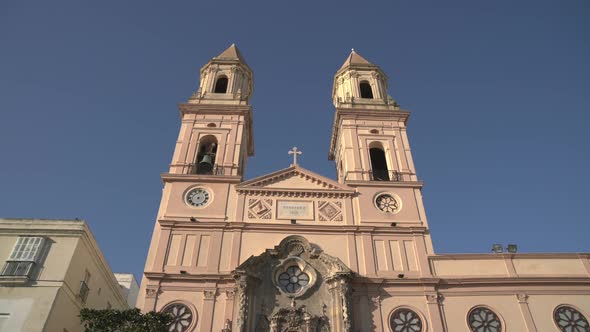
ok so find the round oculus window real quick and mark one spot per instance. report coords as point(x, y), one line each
point(482, 319)
point(181, 315)
point(405, 320)
point(293, 279)
point(198, 197)
point(570, 320)
point(387, 203)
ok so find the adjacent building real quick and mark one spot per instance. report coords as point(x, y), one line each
point(51, 269)
point(296, 251)
point(129, 287)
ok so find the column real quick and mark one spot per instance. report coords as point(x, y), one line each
point(526, 311)
point(208, 310)
point(434, 304)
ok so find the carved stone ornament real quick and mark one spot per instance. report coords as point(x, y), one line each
point(294, 269)
point(210, 294)
point(376, 299)
point(434, 298)
point(230, 294)
point(226, 326)
point(260, 208)
point(296, 320)
point(522, 297)
point(330, 211)
point(151, 292)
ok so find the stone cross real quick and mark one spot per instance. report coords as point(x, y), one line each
point(294, 152)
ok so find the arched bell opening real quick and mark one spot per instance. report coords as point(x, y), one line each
point(366, 90)
point(221, 85)
point(206, 155)
point(379, 171)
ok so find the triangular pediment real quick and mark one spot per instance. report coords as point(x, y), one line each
point(294, 178)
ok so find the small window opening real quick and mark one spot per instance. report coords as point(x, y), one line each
point(378, 164)
point(366, 91)
point(206, 155)
point(221, 85)
point(211, 125)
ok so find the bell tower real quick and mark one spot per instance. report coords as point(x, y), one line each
point(214, 141)
point(216, 131)
point(371, 149)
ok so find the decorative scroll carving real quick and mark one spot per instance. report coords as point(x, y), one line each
point(151, 292)
point(242, 292)
point(293, 261)
point(230, 294)
point(376, 300)
point(346, 295)
point(226, 326)
point(434, 298)
point(330, 211)
point(297, 319)
point(522, 297)
point(259, 208)
point(210, 294)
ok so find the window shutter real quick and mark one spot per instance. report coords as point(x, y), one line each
point(27, 249)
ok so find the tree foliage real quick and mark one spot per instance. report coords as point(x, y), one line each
point(131, 320)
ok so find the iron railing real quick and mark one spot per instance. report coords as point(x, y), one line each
point(195, 168)
point(379, 175)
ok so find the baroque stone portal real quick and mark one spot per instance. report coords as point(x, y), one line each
point(293, 287)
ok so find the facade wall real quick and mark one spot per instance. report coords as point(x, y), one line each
point(26, 308)
point(222, 259)
point(49, 300)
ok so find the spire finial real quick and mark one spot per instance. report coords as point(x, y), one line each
point(352, 49)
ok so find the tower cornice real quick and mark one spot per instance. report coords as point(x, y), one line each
point(244, 110)
point(363, 114)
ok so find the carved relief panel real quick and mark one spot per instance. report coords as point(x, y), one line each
point(281, 209)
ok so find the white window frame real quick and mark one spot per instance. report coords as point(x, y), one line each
point(25, 254)
point(27, 249)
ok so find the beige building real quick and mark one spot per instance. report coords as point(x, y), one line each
point(51, 270)
point(296, 251)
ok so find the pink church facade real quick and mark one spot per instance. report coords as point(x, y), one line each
point(296, 251)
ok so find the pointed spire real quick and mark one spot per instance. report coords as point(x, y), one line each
point(354, 59)
point(232, 53)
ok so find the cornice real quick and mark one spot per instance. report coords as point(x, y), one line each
point(280, 192)
point(516, 281)
point(214, 277)
point(169, 177)
point(186, 108)
point(292, 228)
point(486, 256)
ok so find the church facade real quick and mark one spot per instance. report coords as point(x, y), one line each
point(296, 251)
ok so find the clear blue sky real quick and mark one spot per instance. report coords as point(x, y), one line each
point(499, 92)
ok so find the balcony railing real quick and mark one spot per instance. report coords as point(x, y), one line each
point(378, 175)
point(197, 169)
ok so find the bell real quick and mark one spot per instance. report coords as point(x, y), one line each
point(206, 165)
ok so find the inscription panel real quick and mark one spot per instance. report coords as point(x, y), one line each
point(301, 210)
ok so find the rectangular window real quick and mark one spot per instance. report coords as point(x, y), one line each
point(25, 254)
point(27, 249)
point(84, 289)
